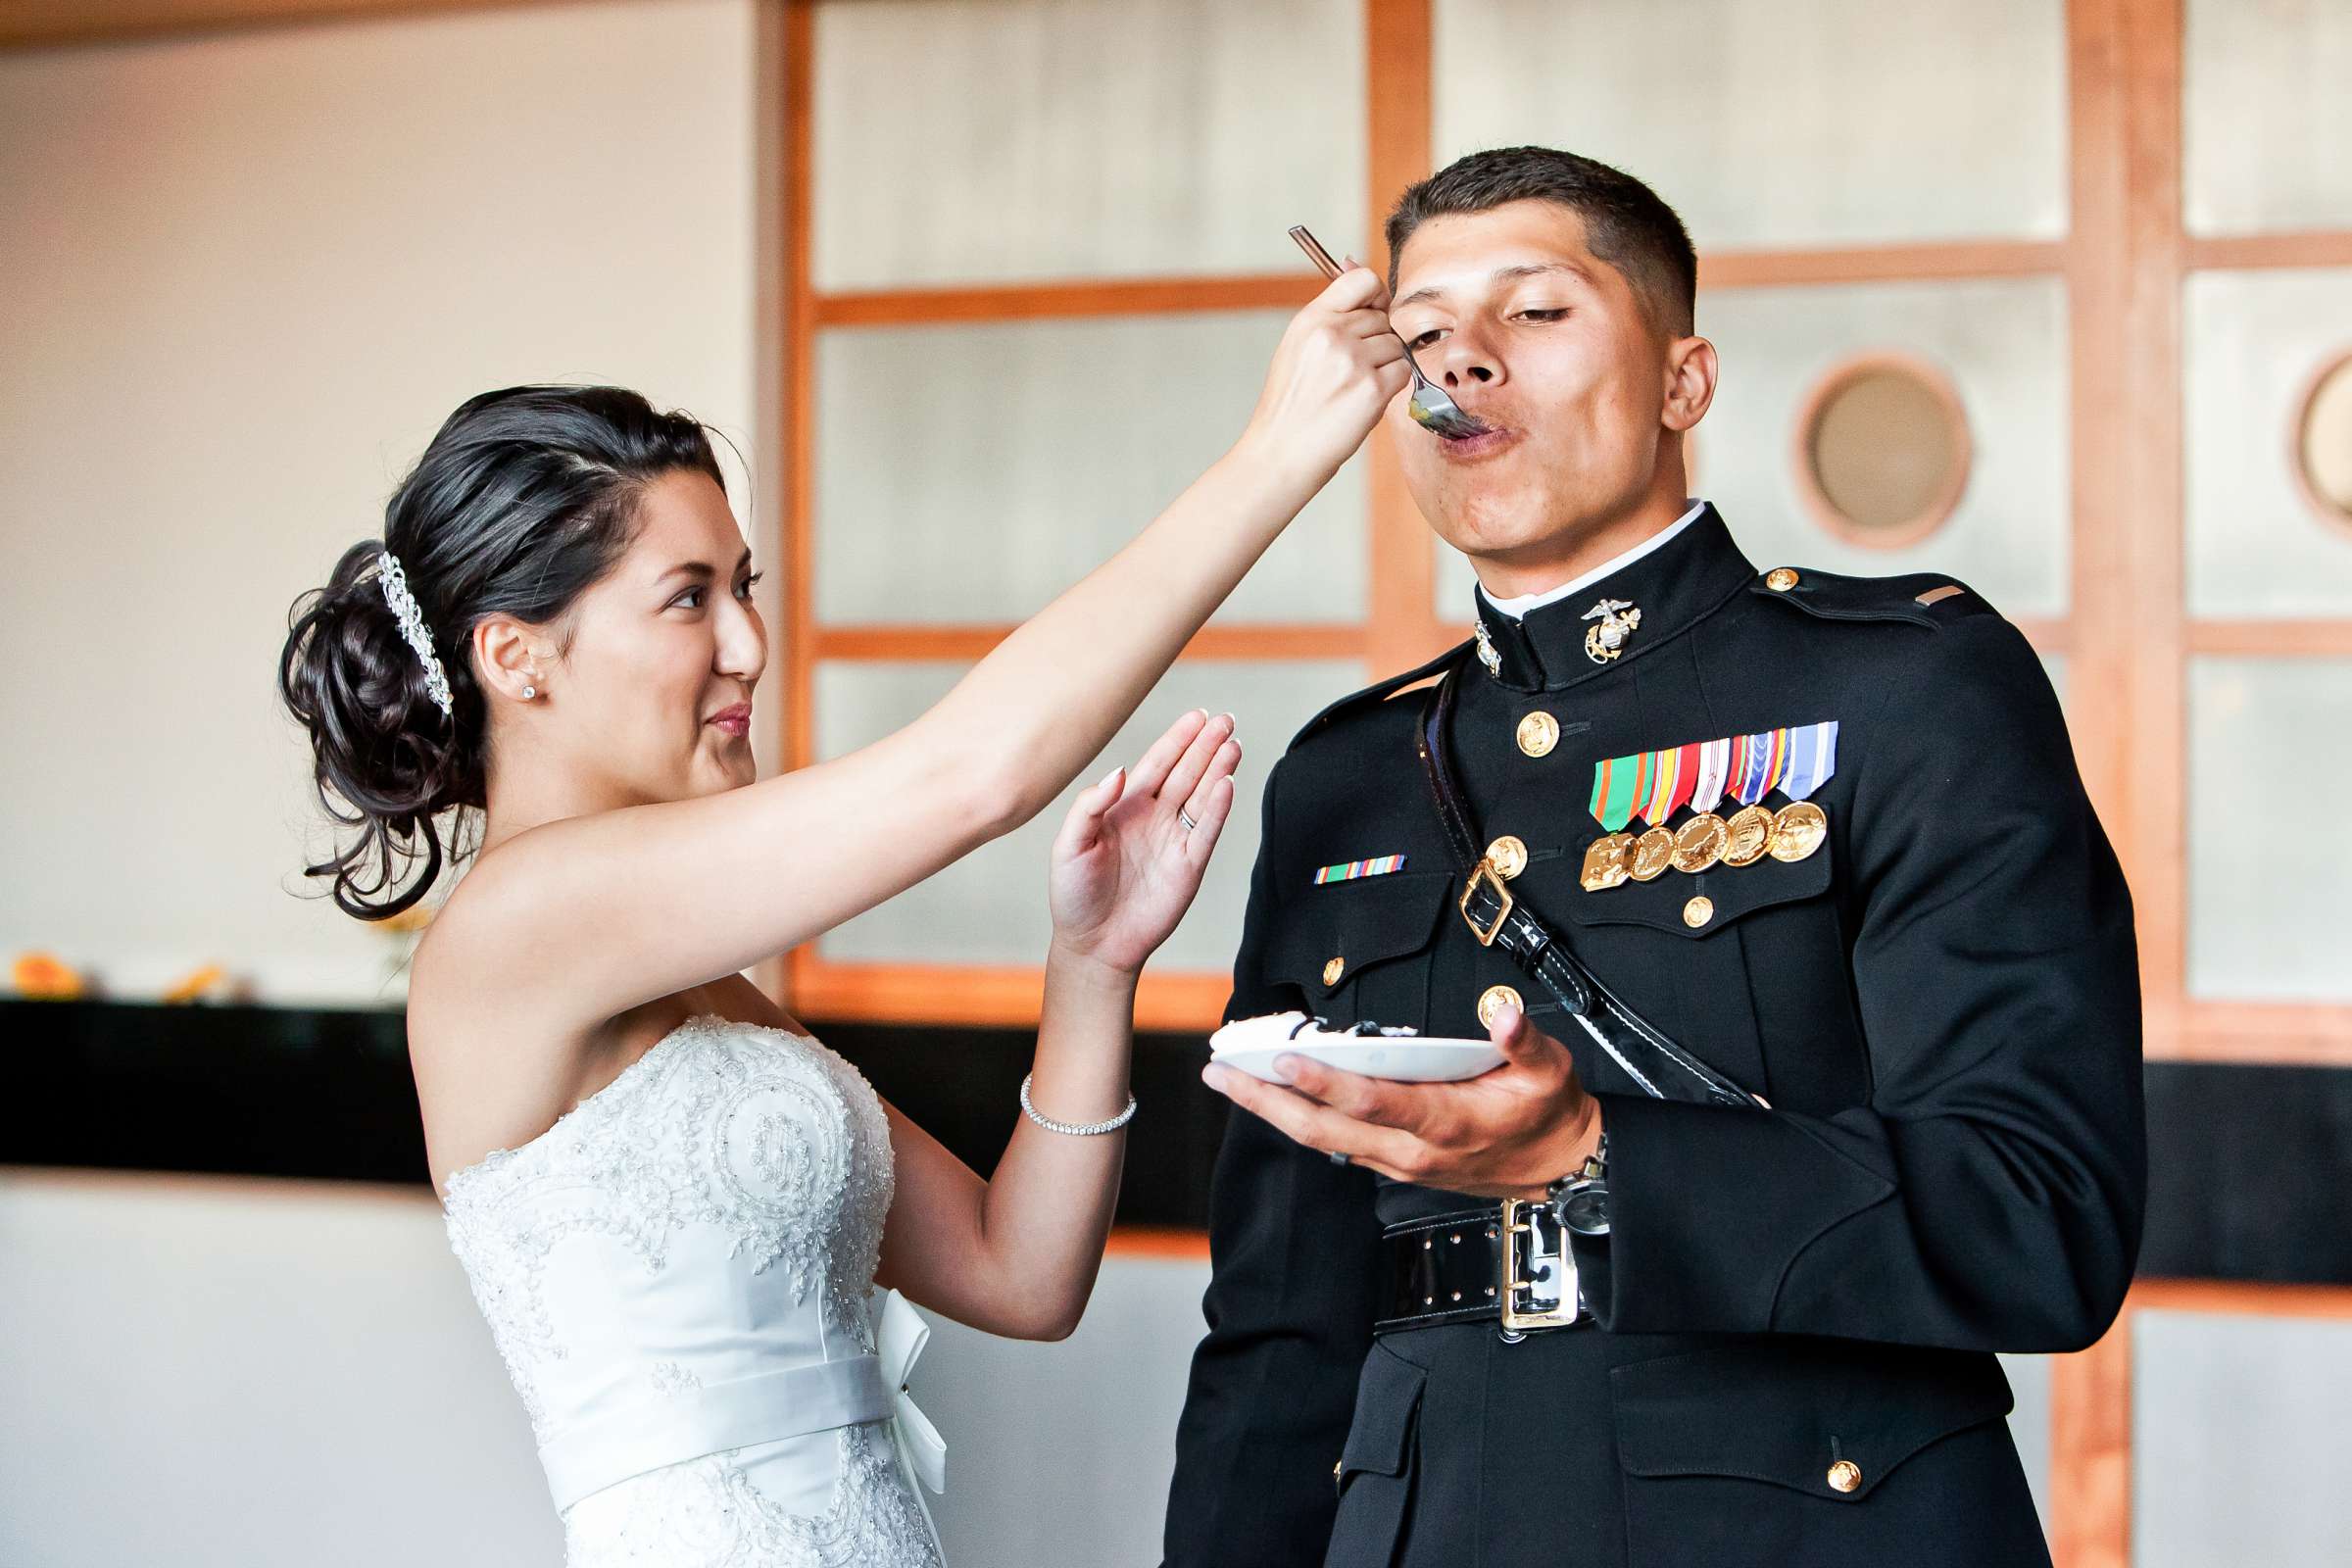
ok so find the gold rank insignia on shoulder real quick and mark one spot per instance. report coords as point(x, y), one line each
point(1617, 620)
point(1651, 786)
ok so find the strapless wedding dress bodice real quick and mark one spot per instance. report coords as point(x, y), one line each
point(676, 1275)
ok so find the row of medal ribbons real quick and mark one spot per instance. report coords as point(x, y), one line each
point(1651, 786)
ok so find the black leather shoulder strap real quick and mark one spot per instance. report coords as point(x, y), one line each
point(1380, 693)
point(1499, 918)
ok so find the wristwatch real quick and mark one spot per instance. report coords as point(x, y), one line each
point(1581, 1198)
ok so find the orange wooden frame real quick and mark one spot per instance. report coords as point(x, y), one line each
point(47, 24)
point(2126, 633)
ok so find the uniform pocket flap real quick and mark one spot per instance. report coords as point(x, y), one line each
point(1388, 1401)
point(1829, 1418)
point(1672, 901)
point(1342, 928)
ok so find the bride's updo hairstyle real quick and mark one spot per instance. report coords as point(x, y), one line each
point(524, 500)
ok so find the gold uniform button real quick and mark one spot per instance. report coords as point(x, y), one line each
point(1495, 998)
point(1508, 855)
point(1698, 911)
point(1332, 970)
point(1844, 1476)
point(1780, 579)
point(1335, 1466)
point(1538, 733)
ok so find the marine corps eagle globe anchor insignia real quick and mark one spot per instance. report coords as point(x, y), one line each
point(1617, 620)
point(1487, 654)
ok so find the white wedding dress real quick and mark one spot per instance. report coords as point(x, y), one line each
point(677, 1274)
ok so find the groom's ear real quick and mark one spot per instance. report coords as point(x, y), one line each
point(1690, 368)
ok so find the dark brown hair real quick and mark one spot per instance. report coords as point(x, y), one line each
point(1626, 224)
point(524, 500)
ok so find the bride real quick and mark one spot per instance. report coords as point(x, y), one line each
point(670, 1200)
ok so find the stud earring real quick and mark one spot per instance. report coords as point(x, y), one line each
point(529, 692)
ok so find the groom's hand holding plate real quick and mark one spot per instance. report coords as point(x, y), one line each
point(1508, 1132)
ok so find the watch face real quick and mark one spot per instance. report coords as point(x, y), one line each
point(1586, 1211)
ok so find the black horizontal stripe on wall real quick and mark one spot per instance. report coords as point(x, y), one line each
point(2247, 1164)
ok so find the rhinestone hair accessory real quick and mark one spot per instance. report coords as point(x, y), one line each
point(395, 583)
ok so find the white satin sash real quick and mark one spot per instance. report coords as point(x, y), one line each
point(900, 1335)
point(612, 1447)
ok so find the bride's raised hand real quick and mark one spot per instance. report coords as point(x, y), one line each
point(1125, 866)
point(1337, 369)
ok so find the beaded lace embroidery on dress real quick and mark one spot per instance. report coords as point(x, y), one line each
point(712, 1214)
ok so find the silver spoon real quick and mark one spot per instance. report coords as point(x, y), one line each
point(1431, 408)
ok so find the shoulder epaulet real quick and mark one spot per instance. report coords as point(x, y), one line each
point(1380, 693)
point(1922, 599)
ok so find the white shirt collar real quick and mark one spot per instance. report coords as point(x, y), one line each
point(1518, 608)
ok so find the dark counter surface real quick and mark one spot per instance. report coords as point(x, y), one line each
point(2247, 1164)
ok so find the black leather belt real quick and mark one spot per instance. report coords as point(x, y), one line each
point(1508, 1265)
point(1664, 1069)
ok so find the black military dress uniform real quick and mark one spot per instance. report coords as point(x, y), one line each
point(1788, 1357)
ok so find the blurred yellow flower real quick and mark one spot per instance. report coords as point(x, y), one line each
point(416, 917)
point(194, 985)
point(47, 976)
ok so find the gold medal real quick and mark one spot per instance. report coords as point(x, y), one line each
point(1699, 843)
point(1750, 834)
point(1653, 852)
point(1798, 831)
point(1608, 862)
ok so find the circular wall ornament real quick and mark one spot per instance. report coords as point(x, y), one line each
point(1883, 450)
point(2321, 450)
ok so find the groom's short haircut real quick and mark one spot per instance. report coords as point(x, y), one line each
point(1626, 224)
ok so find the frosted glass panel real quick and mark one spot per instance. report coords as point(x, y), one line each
point(2030, 1424)
point(990, 908)
point(969, 473)
point(2268, 915)
point(2266, 123)
point(2238, 1441)
point(971, 140)
point(2054, 666)
point(2252, 342)
point(1745, 118)
point(2003, 344)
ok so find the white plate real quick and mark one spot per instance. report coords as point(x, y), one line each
point(1412, 1059)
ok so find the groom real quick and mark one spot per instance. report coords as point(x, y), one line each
point(1826, 835)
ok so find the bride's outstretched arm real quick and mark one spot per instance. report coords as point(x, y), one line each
point(654, 899)
point(1016, 1254)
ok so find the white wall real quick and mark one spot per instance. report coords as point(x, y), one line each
point(247, 277)
point(208, 1372)
point(216, 1373)
point(229, 1373)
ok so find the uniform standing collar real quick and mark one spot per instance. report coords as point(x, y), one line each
point(1527, 604)
point(1667, 588)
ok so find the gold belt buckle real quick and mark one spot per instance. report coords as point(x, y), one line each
point(1516, 1319)
point(1485, 869)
